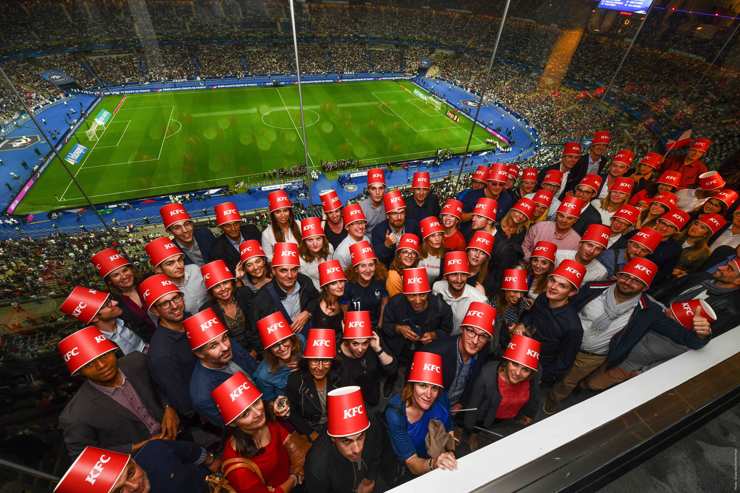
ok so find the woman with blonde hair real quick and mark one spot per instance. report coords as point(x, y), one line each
point(695, 241)
point(406, 257)
point(619, 195)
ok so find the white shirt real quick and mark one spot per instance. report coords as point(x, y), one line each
point(726, 238)
point(433, 266)
point(612, 240)
point(598, 342)
point(595, 270)
point(342, 251)
point(268, 240)
point(459, 305)
point(687, 199)
point(311, 269)
point(125, 338)
point(606, 216)
point(193, 289)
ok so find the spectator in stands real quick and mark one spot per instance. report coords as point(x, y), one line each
point(195, 243)
point(283, 227)
point(120, 277)
point(423, 202)
point(618, 168)
point(219, 357)
point(527, 183)
point(646, 172)
point(356, 226)
point(332, 282)
point(543, 199)
point(407, 257)
point(170, 360)
point(667, 182)
point(690, 165)
point(454, 288)
point(484, 217)
point(407, 416)
point(365, 289)
point(333, 226)
point(622, 225)
point(541, 264)
point(510, 305)
point(711, 183)
point(560, 231)
point(231, 304)
point(432, 247)
point(496, 179)
point(477, 189)
point(289, 292)
point(730, 236)
point(98, 308)
point(719, 203)
point(416, 317)
point(478, 252)
point(372, 205)
point(586, 190)
point(592, 245)
point(606, 309)
point(167, 258)
point(308, 387)
point(450, 217)
point(695, 242)
point(386, 234)
point(253, 269)
point(668, 252)
point(314, 248)
point(660, 204)
point(226, 246)
point(94, 417)
point(570, 173)
point(594, 161)
point(363, 358)
point(619, 195)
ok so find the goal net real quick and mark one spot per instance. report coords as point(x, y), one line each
point(92, 132)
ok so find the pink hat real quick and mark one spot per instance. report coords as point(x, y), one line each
point(429, 226)
point(625, 156)
point(727, 196)
point(273, 329)
point(108, 260)
point(529, 174)
point(278, 199)
point(671, 178)
point(498, 172)
point(321, 344)
point(483, 241)
point(409, 241)
point(622, 184)
point(572, 149)
point(553, 177)
point(591, 181)
point(666, 199)
point(154, 287)
point(393, 201)
point(361, 251)
point(310, 227)
point(161, 249)
point(641, 268)
point(543, 197)
point(714, 222)
point(711, 180)
point(330, 271)
point(227, 212)
point(215, 273)
point(234, 396)
point(357, 325)
point(452, 207)
point(514, 280)
point(352, 213)
point(203, 327)
point(285, 254)
point(330, 201)
point(684, 311)
point(546, 250)
point(572, 206)
point(627, 213)
point(95, 470)
point(249, 249)
point(173, 214)
point(572, 271)
point(486, 207)
point(481, 316)
point(525, 206)
point(421, 180)
point(83, 346)
point(375, 176)
point(415, 281)
point(676, 217)
point(426, 368)
point(701, 144)
point(345, 412)
point(601, 137)
point(652, 159)
point(455, 262)
point(647, 237)
point(523, 350)
point(597, 233)
point(84, 303)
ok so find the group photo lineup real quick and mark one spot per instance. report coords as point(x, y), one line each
point(358, 246)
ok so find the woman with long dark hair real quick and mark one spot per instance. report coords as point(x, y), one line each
point(328, 313)
point(695, 241)
point(541, 264)
point(253, 268)
point(668, 181)
point(283, 227)
point(313, 249)
point(450, 217)
point(479, 251)
point(659, 205)
point(365, 289)
point(432, 247)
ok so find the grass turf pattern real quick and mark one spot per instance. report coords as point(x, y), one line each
point(163, 143)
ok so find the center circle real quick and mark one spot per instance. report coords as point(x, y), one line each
point(283, 119)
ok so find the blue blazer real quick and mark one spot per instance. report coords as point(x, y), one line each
point(205, 239)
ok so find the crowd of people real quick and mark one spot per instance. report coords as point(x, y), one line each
point(365, 345)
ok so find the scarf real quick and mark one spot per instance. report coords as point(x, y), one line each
point(612, 309)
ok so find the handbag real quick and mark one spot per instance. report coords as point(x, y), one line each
point(221, 485)
point(438, 439)
point(297, 445)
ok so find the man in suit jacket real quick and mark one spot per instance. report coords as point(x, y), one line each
point(572, 174)
point(594, 161)
point(117, 407)
point(195, 243)
point(226, 246)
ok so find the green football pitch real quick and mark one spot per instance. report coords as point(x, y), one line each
point(164, 143)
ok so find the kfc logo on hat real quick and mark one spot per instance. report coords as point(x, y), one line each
point(177, 212)
point(432, 368)
point(97, 469)
point(321, 343)
point(354, 411)
point(415, 280)
point(237, 392)
point(532, 353)
point(356, 324)
point(75, 351)
point(274, 327)
point(573, 271)
point(475, 313)
point(208, 324)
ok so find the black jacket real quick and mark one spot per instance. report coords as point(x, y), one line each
point(366, 372)
point(377, 238)
point(588, 217)
point(415, 213)
point(583, 164)
point(223, 249)
point(205, 240)
point(575, 175)
point(506, 254)
point(93, 418)
point(447, 348)
point(247, 335)
point(647, 315)
point(139, 322)
point(666, 258)
point(306, 413)
point(268, 300)
point(560, 333)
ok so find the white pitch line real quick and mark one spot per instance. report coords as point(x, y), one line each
point(127, 122)
point(294, 125)
point(164, 137)
point(383, 103)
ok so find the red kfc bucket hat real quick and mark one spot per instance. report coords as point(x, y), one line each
point(83, 346)
point(345, 412)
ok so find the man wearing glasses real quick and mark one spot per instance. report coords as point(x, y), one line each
point(621, 307)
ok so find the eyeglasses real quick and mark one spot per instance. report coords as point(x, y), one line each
point(321, 362)
point(172, 302)
point(628, 278)
point(475, 335)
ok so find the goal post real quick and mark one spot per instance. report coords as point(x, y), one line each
point(92, 132)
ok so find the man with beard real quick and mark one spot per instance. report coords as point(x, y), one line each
point(372, 205)
point(171, 362)
point(195, 243)
point(586, 190)
point(454, 288)
point(592, 244)
point(167, 258)
point(470, 196)
point(218, 358)
point(386, 235)
point(621, 307)
point(690, 165)
point(91, 306)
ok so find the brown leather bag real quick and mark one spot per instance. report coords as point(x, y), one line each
point(297, 445)
point(438, 439)
point(233, 464)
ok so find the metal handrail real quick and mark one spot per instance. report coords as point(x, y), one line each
point(28, 470)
